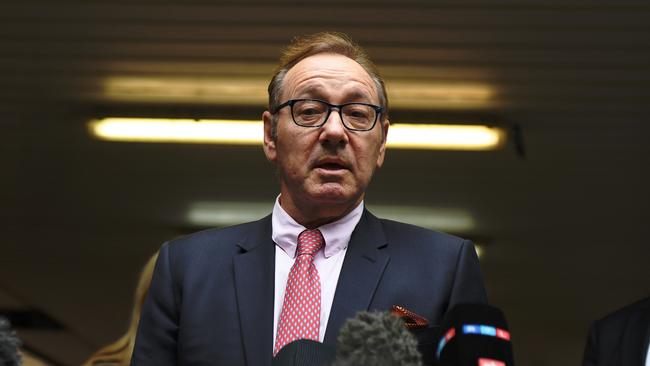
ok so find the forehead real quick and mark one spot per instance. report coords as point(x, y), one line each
point(329, 76)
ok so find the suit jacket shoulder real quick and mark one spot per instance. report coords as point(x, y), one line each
point(440, 258)
point(421, 238)
point(620, 317)
point(217, 245)
point(392, 263)
point(204, 304)
point(218, 238)
point(620, 338)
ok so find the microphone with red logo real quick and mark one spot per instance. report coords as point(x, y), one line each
point(474, 335)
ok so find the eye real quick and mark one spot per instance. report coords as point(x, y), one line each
point(309, 111)
point(358, 111)
point(358, 114)
point(309, 108)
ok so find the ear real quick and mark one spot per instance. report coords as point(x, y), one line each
point(269, 141)
point(382, 147)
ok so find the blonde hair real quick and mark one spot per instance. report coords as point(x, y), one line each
point(119, 352)
point(324, 42)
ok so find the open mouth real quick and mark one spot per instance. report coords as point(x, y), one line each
point(331, 166)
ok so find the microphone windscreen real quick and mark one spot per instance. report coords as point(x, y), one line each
point(304, 352)
point(376, 339)
point(476, 335)
point(9, 344)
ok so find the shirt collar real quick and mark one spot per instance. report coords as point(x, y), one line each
point(336, 234)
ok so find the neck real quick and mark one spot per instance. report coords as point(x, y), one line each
point(317, 214)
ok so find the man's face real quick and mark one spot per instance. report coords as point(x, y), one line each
point(324, 171)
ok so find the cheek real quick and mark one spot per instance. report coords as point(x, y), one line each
point(366, 162)
point(293, 158)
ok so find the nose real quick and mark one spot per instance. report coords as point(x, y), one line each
point(333, 132)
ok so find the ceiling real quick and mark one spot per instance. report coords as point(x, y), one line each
point(563, 217)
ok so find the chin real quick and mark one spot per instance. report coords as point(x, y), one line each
point(333, 194)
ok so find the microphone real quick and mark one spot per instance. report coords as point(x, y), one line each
point(304, 352)
point(9, 344)
point(376, 339)
point(476, 335)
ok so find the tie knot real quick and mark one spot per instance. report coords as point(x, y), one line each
point(309, 242)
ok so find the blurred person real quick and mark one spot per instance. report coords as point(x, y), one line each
point(621, 338)
point(119, 352)
point(236, 296)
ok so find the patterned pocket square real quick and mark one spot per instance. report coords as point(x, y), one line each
point(411, 319)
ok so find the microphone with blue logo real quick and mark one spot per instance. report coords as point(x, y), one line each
point(474, 335)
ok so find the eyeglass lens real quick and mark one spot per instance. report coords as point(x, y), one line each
point(313, 113)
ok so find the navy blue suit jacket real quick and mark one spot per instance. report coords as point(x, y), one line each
point(211, 297)
point(621, 338)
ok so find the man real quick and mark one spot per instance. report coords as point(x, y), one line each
point(621, 338)
point(235, 296)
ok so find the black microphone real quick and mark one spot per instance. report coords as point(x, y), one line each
point(376, 339)
point(9, 345)
point(476, 335)
point(304, 352)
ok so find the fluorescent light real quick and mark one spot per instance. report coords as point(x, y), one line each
point(215, 213)
point(444, 137)
point(227, 90)
point(178, 130)
point(240, 132)
point(233, 88)
point(428, 95)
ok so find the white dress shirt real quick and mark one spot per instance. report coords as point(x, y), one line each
point(328, 261)
point(647, 355)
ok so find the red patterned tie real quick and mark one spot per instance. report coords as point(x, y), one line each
point(300, 316)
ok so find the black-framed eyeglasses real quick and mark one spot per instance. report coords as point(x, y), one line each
point(314, 113)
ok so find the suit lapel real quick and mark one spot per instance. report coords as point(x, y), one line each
point(362, 269)
point(254, 285)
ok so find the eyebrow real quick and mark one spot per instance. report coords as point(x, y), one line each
point(316, 91)
point(359, 95)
